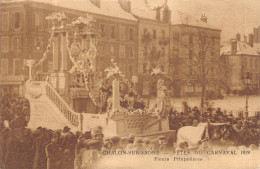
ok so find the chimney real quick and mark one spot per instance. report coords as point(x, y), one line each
point(251, 40)
point(204, 18)
point(167, 14)
point(238, 37)
point(96, 3)
point(233, 46)
point(245, 39)
point(158, 13)
point(125, 4)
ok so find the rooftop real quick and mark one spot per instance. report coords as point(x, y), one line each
point(242, 49)
point(179, 17)
point(107, 7)
point(112, 8)
point(141, 9)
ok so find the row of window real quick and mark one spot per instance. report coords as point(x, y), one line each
point(153, 51)
point(13, 43)
point(154, 35)
point(114, 32)
point(10, 43)
point(124, 51)
point(10, 20)
point(251, 62)
point(11, 66)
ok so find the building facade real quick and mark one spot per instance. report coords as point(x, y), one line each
point(139, 39)
point(185, 45)
point(14, 43)
point(244, 59)
point(25, 33)
point(153, 44)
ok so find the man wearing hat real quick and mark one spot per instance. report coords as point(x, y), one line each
point(147, 145)
point(116, 143)
point(138, 144)
point(107, 145)
point(66, 130)
point(131, 140)
point(53, 154)
point(161, 144)
point(98, 135)
point(124, 143)
point(80, 145)
point(91, 155)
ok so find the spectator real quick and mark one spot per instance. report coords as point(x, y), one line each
point(54, 154)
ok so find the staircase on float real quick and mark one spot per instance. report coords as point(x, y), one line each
point(48, 109)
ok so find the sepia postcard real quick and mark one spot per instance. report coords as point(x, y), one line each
point(129, 84)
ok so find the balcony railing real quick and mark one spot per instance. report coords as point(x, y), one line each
point(68, 112)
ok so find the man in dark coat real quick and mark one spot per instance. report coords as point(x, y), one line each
point(53, 154)
point(80, 145)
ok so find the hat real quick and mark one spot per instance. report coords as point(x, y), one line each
point(139, 141)
point(147, 141)
point(66, 128)
point(131, 137)
point(229, 113)
point(162, 138)
point(97, 131)
point(115, 139)
point(106, 140)
point(124, 140)
point(39, 128)
point(55, 135)
point(93, 143)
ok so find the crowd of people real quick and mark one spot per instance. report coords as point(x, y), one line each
point(23, 148)
point(43, 148)
point(130, 101)
point(15, 109)
point(245, 131)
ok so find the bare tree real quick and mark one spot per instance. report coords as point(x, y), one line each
point(203, 64)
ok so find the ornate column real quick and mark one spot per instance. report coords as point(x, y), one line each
point(30, 63)
point(116, 96)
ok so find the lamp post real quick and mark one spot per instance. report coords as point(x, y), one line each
point(248, 82)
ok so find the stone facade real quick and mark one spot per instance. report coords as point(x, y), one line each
point(243, 59)
point(183, 39)
point(121, 37)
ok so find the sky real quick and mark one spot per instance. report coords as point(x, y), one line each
point(231, 16)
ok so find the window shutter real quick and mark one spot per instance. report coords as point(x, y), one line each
point(121, 51)
point(5, 21)
point(10, 66)
point(116, 32)
point(22, 20)
point(127, 51)
point(4, 66)
point(11, 23)
point(122, 32)
point(18, 66)
point(127, 32)
point(107, 30)
point(12, 43)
